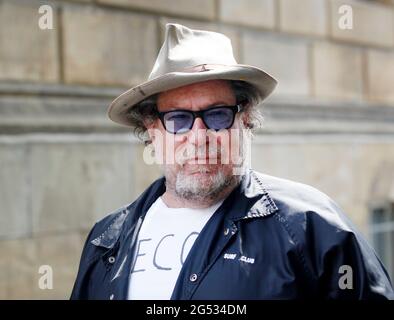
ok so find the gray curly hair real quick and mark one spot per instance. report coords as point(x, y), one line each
point(146, 111)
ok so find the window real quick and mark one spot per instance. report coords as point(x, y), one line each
point(382, 233)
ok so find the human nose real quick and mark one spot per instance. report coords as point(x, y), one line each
point(198, 133)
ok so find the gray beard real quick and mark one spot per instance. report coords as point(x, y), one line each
point(187, 187)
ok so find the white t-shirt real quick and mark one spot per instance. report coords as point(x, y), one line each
point(164, 241)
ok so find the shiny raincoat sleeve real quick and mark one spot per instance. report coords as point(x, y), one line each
point(346, 266)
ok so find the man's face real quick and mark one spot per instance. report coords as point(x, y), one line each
point(198, 164)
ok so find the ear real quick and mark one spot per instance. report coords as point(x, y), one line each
point(151, 127)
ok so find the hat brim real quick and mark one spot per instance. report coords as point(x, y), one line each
point(262, 81)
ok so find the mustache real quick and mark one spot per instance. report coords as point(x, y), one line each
point(191, 153)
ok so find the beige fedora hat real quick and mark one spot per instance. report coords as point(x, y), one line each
point(189, 56)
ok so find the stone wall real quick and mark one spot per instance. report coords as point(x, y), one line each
point(64, 165)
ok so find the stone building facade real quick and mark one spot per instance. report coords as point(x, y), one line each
point(64, 165)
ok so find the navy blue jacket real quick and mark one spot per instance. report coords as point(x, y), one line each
point(270, 239)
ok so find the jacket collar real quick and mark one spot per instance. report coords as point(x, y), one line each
point(256, 199)
point(249, 200)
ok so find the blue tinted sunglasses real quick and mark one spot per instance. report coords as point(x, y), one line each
point(216, 118)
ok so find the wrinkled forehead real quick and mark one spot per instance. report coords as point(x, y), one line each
point(197, 96)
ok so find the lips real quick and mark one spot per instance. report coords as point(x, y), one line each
point(199, 172)
point(192, 167)
point(206, 160)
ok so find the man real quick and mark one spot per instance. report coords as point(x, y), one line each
point(211, 227)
